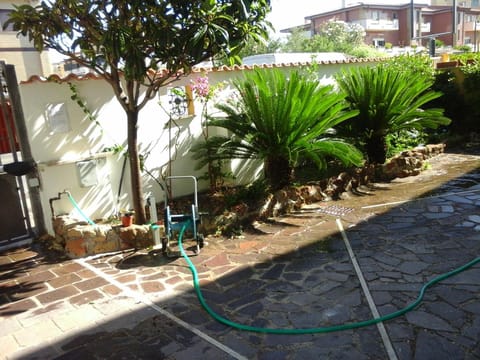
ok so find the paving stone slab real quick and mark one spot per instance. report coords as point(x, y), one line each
point(428, 321)
point(431, 347)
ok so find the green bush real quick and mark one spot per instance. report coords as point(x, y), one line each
point(414, 64)
point(280, 120)
point(464, 48)
point(365, 52)
point(461, 90)
point(404, 140)
point(452, 99)
point(471, 91)
point(465, 58)
point(439, 43)
point(388, 101)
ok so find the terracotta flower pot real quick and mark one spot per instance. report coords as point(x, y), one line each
point(127, 220)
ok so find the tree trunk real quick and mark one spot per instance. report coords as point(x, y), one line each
point(134, 160)
point(278, 171)
point(376, 147)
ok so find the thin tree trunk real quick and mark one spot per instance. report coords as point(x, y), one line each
point(134, 160)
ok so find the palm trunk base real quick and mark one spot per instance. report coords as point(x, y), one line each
point(278, 172)
point(377, 150)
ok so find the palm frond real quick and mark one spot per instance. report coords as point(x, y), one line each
point(278, 116)
point(387, 101)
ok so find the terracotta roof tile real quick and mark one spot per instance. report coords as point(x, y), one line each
point(197, 69)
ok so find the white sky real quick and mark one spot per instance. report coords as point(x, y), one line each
point(288, 13)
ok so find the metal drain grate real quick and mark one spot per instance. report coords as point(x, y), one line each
point(335, 210)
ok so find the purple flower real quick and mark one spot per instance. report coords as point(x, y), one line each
point(200, 87)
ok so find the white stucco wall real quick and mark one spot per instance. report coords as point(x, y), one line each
point(57, 154)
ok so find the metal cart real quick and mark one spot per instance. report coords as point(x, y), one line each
point(175, 222)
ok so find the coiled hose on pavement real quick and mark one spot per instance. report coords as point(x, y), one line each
point(315, 330)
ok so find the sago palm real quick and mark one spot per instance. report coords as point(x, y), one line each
point(388, 101)
point(281, 119)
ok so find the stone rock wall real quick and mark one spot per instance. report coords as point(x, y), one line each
point(293, 198)
point(407, 163)
point(79, 239)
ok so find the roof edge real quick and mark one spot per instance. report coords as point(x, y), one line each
point(223, 68)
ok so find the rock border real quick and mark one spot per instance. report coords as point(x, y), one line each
point(292, 198)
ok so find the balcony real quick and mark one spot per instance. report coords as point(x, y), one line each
point(372, 25)
point(471, 26)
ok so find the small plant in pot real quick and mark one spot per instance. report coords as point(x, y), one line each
point(127, 217)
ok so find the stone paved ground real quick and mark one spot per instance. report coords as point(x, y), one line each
point(294, 273)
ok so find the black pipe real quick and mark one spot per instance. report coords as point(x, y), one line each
point(18, 168)
point(431, 47)
point(412, 20)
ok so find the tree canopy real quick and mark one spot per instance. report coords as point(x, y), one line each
point(137, 36)
point(332, 36)
point(127, 42)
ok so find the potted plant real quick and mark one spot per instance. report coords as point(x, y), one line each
point(127, 217)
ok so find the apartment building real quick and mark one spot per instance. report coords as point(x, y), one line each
point(17, 50)
point(468, 23)
point(465, 3)
point(408, 23)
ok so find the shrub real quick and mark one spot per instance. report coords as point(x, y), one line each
point(280, 120)
point(471, 93)
point(414, 64)
point(404, 140)
point(365, 51)
point(452, 99)
point(464, 48)
point(388, 101)
point(439, 43)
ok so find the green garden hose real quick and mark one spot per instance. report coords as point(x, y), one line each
point(317, 330)
point(75, 205)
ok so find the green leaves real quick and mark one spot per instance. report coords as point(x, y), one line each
point(131, 34)
point(330, 36)
point(388, 101)
point(281, 119)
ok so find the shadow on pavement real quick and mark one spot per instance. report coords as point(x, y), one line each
point(301, 279)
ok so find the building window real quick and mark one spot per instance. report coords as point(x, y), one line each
point(394, 16)
point(378, 42)
point(376, 15)
point(4, 14)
